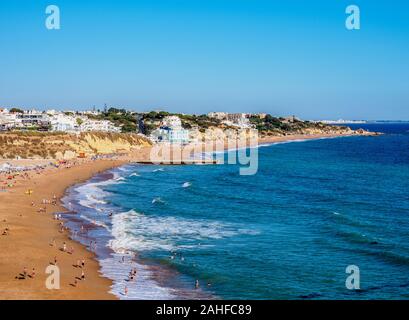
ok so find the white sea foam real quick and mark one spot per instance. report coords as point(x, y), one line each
point(157, 200)
point(134, 175)
point(91, 195)
point(90, 199)
point(186, 185)
point(134, 231)
point(124, 169)
point(143, 288)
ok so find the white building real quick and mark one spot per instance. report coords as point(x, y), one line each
point(176, 136)
point(53, 120)
point(236, 117)
point(6, 122)
point(7, 119)
point(90, 112)
point(173, 122)
point(63, 123)
point(98, 125)
point(31, 118)
point(239, 120)
point(171, 131)
point(217, 115)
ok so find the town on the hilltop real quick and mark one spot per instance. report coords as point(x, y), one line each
point(157, 126)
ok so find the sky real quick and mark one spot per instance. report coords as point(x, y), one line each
point(196, 56)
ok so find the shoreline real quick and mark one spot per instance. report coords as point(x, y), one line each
point(28, 243)
point(300, 137)
point(154, 280)
point(31, 233)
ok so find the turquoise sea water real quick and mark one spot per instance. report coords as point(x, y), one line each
point(288, 232)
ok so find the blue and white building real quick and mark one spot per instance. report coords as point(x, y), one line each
point(171, 131)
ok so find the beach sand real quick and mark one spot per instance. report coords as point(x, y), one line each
point(28, 243)
point(295, 137)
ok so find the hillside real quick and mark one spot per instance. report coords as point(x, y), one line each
point(267, 126)
point(272, 126)
point(35, 145)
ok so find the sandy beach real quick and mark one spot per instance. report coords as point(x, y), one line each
point(33, 239)
point(275, 139)
point(31, 233)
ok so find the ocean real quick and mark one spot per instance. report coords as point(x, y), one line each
point(288, 232)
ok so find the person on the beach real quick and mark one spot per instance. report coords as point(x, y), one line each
point(82, 275)
point(126, 291)
point(33, 273)
point(197, 284)
point(134, 273)
point(82, 263)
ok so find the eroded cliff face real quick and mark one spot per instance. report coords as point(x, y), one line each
point(220, 135)
point(317, 130)
point(217, 134)
point(66, 146)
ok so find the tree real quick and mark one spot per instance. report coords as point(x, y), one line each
point(16, 110)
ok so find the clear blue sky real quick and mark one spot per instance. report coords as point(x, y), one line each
point(195, 56)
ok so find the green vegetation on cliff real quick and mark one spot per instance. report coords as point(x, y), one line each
point(202, 122)
point(120, 117)
point(273, 125)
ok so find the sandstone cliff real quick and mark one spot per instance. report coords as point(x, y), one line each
point(66, 146)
